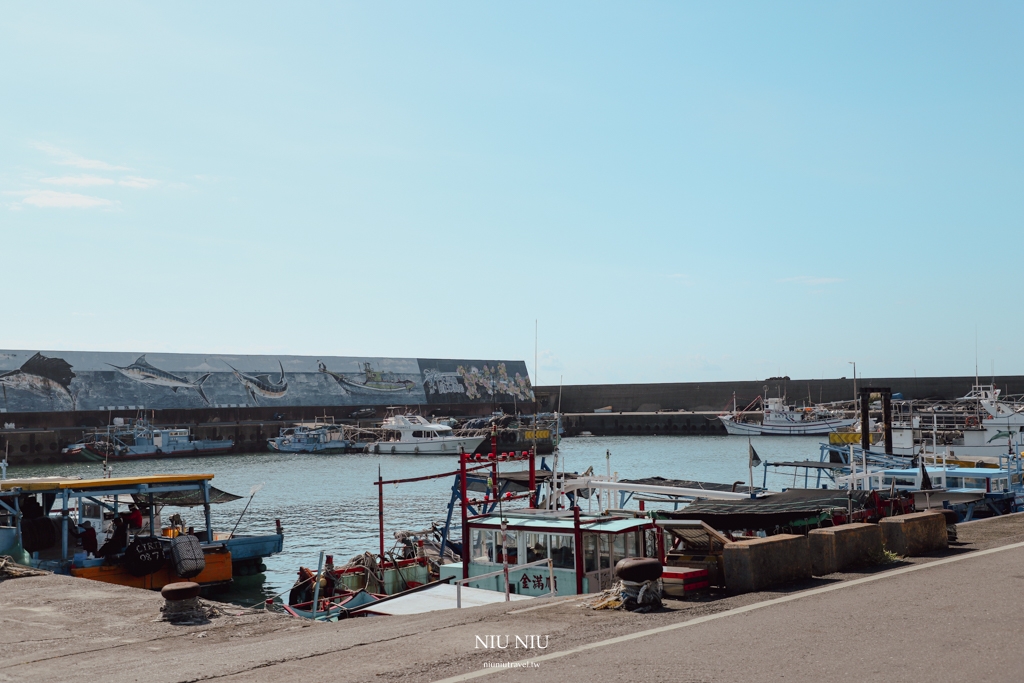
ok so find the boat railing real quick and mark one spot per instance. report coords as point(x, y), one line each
point(504, 572)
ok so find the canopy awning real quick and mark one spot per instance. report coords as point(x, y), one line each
point(187, 499)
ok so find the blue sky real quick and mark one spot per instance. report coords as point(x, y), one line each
point(676, 191)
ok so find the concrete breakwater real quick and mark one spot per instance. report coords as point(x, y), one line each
point(718, 396)
point(645, 424)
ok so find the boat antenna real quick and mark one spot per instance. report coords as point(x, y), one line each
point(252, 492)
point(975, 354)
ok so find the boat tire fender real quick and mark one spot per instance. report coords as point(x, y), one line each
point(187, 555)
point(392, 450)
point(158, 452)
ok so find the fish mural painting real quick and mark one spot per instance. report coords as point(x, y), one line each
point(142, 371)
point(46, 377)
point(43, 381)
point(370, 380)
point(260, 385)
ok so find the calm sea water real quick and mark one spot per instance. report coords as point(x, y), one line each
point(329, 502)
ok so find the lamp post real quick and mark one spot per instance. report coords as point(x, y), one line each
point(854, 364)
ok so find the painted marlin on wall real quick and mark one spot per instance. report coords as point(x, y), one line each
point(142, 371)
point(42, 376)
point(260, 385)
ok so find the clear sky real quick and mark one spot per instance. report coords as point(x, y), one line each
point(676, 191)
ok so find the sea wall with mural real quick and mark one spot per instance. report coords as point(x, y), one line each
point(61, 381)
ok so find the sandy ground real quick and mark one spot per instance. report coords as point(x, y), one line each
point(57, 628)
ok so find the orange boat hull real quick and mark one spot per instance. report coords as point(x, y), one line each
point(218, 570)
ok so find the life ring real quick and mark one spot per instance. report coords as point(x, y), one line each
point(971, 421)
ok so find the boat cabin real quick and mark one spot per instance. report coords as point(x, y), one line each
point(954, 479)
point(583, 549)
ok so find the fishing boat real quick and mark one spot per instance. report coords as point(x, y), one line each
point(783, 419)
point(986, 432)
point(47, 518)
point(138, 440)
point(414, 435)
point(322, 440)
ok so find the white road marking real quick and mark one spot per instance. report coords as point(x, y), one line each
point(728, 613)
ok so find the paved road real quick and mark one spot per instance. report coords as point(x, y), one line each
point(957, 619)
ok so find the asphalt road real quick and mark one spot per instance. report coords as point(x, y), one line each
point(957, 619)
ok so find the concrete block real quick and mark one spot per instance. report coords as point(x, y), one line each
point(840, 547)
point(914, 534)
point(762, 562)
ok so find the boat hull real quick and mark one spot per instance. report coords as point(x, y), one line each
point(808, 428)
point(334, 448)
point(218, 570)
point(150, 452)
point(452, 446)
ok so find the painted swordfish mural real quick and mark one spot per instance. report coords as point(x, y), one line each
point(141, 371)
point(61, 381)
point(260, 385)
point(49, 378)
point(369, 380)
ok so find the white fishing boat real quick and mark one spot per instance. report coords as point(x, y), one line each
point(786, 420)
point(414, 435)
point(994, 430)
point(324, 439)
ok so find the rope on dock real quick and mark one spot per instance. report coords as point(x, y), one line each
point(9, 569)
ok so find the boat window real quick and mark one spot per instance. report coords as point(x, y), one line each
point(887, 481)
point(479, 544)
point(618, 547)
point(602, 551)
point(974, 482)
point(417, 434)
point(536, 547)
point(904, 481)
point(511, 546)
point(562, 553)
point(590, 552)
point(955, 482)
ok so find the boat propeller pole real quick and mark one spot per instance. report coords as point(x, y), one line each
point(252, 492)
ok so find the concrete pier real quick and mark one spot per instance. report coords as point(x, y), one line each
point(58, 628)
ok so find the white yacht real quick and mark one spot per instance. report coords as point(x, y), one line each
point(413, 435)
point(786, 420)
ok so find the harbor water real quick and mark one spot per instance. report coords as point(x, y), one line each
point(329, 502)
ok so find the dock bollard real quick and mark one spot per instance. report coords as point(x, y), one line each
point(181, 601)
